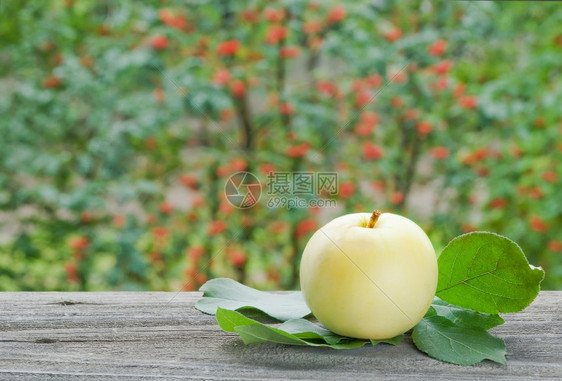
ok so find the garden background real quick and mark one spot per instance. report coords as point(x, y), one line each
point(120, 122)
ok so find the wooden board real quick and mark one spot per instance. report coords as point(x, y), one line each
point(159, 335)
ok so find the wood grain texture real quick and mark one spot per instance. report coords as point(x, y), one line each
point(159, 335)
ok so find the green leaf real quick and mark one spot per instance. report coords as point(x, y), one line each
point(293, 332)
point(229, 294)
point(392, 341)
point(488, 273)
point(258, 334)
point(305, 329)
point(228, 321)
point(462, 316)
point(441, 339)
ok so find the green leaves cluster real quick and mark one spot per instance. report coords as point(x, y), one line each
point(480, 275)
point(223, 296)
point(292, 332)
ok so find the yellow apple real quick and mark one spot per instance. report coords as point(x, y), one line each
point(369, 276)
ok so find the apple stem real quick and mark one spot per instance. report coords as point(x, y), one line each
point(374, 217)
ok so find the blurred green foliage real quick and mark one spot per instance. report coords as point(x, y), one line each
point(120, 122)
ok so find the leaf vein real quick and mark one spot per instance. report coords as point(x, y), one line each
point(492, 294)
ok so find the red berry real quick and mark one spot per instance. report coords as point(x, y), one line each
point(393, 34)
point(555, 246)
point(72, 272)
point(363, 129)
point(289, 51)
point(175, 21)
point(86, 217)
point(440, 153)
point(198, 202)
point(537, 224)
point(155, 256)
point(378, 185)
point(467, 228)
point(51, 82)
point(539, 122)
point(362, 99)
point(374, 80)
point(119, 220)
point(397, 76)
point(397, 102)
point(238, 164)
point(459, 89)
point(250, 15)
point(221, 77)
point(216, 227)
point(228, 48)
point(188, 181)
point(274, 15)
point(286, 109)
point(312, 27)
point(159, 94)
point(336, 14)
point(237, 88)
point(326, 88)
point(86, 61)
point(442, 83)
point(226, 208)
point(468, 101)
point(276, 34)
point(550, 176)
point(369, 118)
point(78, 243)
point(396, 198)
point(304, 227)
point(226, 114)
point(437, 48)
point(201, 278)
point(267, 168)
point(166, 208)
point(195, 252)
point(371, 151)
point(298, 150)
point(190, 272)
point(347, 189)
point(498, 203)
point(160, 233)
point(223, 171)
point(535, 193)
point(442, 67)
point(237, 257)
point(159, 42)
point(424, 128)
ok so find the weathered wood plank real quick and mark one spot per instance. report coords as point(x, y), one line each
point(158, 335)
